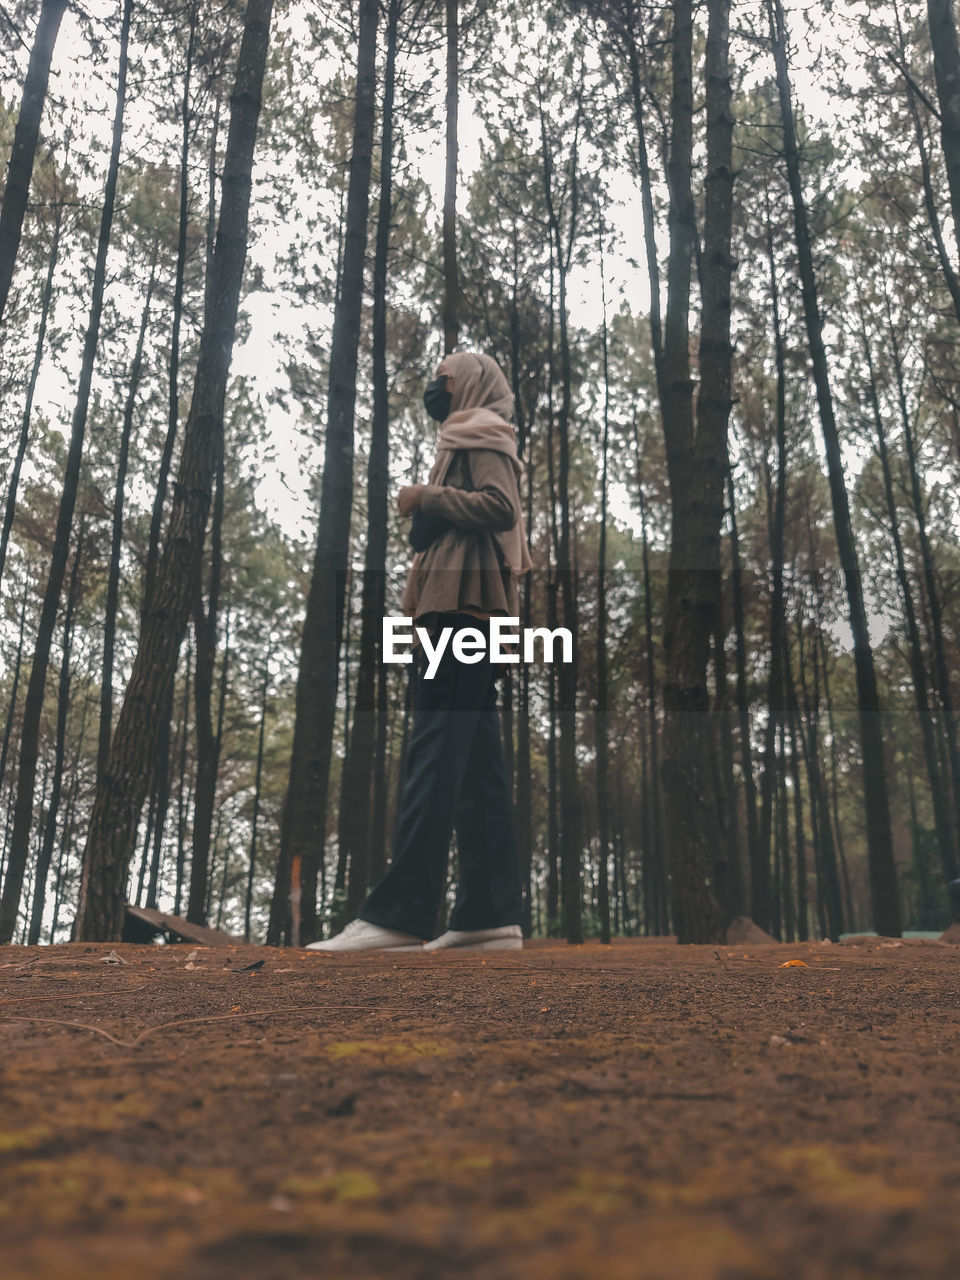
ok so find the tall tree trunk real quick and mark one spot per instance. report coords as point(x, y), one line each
point(116, 537)
point(883, 871)
point(571, 823)
point(742, 695)
point(145, 855)
point(218, 747)
point(941, 670)
point(830, 906)
point(659, 916)
point(944, 814)
point(21, 938)
point(821, 673)
point(731, 887)
point(161, 784)
point(205, 624)
point(224, 876)
point(257, 792)
point(305, 811)
point(119, 798)
point(378, 818)
point(25, 139)
point(523, 810)
point(451, 286)
point(524, 800)
point(60, 751)
point(553, 823)
point(696, 460)
point(796, 748)
point(764, 907)
point(946, 69)
point(183, 787)
point(358, 768)
point(173, 390)
point(603, 798)
point(12, 705)
point(552, 587)
point(929, 194)
point(13, 481)
point(656, 907)
point(783, 928)
point(646, 200)
point(160, 775)
point(344, 655)
point(66, 841)
point(33, 709)
point(625, 921)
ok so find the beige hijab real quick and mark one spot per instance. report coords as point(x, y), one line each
point(480, 412)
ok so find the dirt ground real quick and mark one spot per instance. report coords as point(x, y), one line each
point(636, 1112)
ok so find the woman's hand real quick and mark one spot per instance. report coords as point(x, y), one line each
point(408, 499)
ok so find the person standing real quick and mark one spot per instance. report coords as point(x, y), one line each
point(471, 550)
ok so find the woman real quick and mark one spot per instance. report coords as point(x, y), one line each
point(472, 550)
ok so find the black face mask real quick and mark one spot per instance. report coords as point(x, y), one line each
point(437, 399)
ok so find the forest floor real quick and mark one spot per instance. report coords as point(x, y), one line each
point(635, 1112)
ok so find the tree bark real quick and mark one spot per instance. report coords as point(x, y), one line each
point(205, 624)
point(832, 790)
point(944, 814)
point(116, 536)
point(697, 464)
point(742, 696)
point(119, 798)
point(305, 811)
point(552, 587)
point(257, 791)
point(12, 706)
point(828, 876)
point(358, 769)
point(571, 822)
point(731, 887)
point(941, 670)
point(173, 390)
point(883, 871)
point(793, 720)
point(183, 788)
point(25, 139)
point(161, 785)
point(33, 709)
point(946, 69)
point(603, 798)
point(60, 751)
point(929, 195)
point(14, 479)
point(451, 286)
point(763, 906)
point(658, 908)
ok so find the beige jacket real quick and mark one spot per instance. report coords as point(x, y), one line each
point(462, 572)
point(475, 566)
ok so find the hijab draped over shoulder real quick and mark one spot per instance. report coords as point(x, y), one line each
point(480, 412)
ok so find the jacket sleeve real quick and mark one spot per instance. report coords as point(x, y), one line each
point(491, 504)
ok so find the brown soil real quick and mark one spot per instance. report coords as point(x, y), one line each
point(637, 1112)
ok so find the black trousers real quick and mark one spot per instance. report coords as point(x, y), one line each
point(455, 780)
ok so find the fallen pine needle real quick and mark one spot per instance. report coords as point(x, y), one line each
point(78, 995)
point(210, 1017)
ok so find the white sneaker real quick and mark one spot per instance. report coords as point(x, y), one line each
point(361, 935)
point(508, 937)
